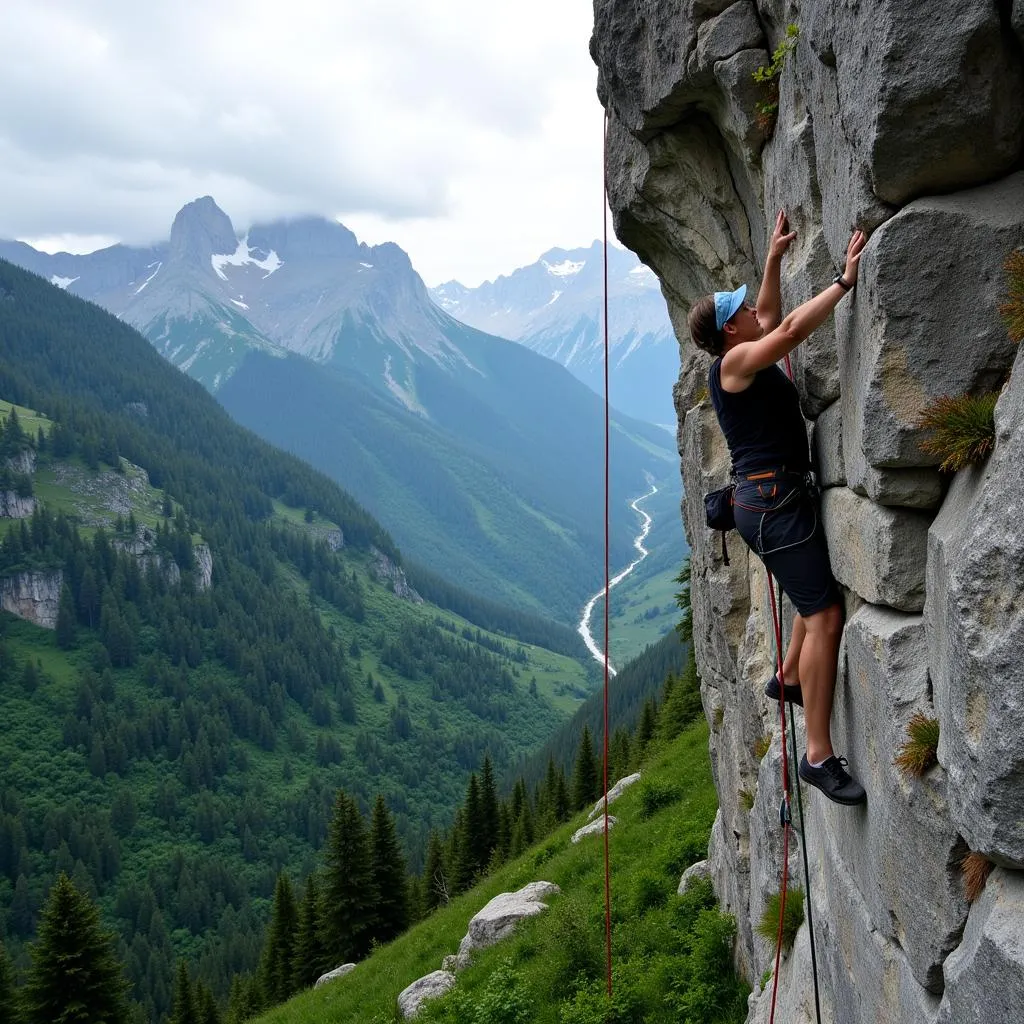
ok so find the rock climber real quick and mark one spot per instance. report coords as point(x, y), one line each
point(776, 503)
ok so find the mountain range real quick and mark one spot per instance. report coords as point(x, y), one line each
point(483, 459)
point(555, 307)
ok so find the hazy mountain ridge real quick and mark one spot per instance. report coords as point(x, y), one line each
point(555, 307)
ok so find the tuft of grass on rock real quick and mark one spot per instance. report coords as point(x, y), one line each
point(746, 800)
point(1012, 310)
point(768, 926)
point(975, 868)
point(762, 745)
point(963, 429)
point(918, 753)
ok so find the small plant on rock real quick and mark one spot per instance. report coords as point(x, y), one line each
point(963, 429)
point(762, 745)
point(975, 868)
point(767, 76)
point(746, 800)
point(1012, 311)
point(918, 753)
point(768, 926)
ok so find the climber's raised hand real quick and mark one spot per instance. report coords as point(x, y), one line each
point(781, 236)
point(853, 251)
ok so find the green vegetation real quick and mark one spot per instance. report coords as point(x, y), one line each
point(672, 954)
point(918, 753)
point(768, 926)
point(767, 76)
point(963, 429)
point(1012, 310)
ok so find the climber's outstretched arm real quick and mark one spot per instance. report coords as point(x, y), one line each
point(769, 303)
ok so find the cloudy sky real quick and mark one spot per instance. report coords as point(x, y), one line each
point(467, 131)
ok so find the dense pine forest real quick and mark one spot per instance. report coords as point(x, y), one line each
point(177, 748)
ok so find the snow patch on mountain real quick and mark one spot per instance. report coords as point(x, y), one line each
point(554, 298)
point(405, 396)
point(567, 268)
point(62, 282)
point(158, 264)
point(243, 256)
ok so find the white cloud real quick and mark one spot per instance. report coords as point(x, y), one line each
point(467, 132)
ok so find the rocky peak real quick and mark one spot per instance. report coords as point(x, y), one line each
point(305, 238)
point(201, 229)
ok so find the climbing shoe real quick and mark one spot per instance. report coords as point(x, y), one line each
point(833, 780)
point(794, 695)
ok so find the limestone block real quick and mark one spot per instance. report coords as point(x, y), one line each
point(924, 321)
point(877, 552)
point(500, 916)
point(431, 986)
point(204, 566)
point(614, 793)
point(864, 977)
point(721, 37)
point(338, 972)
point(730, 873)
point(702, 869)
point(902, 851)
point(596, 827)
point(985, 974)
point(927, 104)
point(827, 447)
point(920, 487)
point(974, 616)
point(14, 506)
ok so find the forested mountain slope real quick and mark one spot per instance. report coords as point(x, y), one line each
point(220, 666)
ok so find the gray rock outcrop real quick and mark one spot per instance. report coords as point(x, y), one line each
point(431, 986)
point(15, 506)
point(385, 570)
point(204, 566)
point(596, 827)
point(33, 595)
point(907, 121)
point(498, 919)
point(338, 972)
point(614, 793)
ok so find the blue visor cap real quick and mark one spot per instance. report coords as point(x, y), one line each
point(726, 304)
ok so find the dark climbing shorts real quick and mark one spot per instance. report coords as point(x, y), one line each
point(779, 520)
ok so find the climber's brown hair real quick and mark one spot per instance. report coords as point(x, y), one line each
point(703, 331)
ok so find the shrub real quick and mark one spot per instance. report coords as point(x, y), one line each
point(648, 891)
point(917, 755)
point(762, 746)
point(767, 76)
point(655, 795)
point(768, 926)
point(964, 429)
point(975, 868)
point(690, 845)
point(1012, 311)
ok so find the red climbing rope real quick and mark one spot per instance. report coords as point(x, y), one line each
point(607, 573)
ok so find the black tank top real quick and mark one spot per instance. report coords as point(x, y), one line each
point(763, 425)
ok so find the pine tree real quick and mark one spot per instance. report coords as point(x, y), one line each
point(459, 856)
point(586, 787)
point(276, 974)
point(66, 619)
point(389, 875)
point(183, 1009)
point(349, 893)
point(489, 811)
point(562, 809)
point(309, 956)
point(10, 1000)
point(473, 826)
point(645, 730)
point(207, 1011)
point(75, 977)
point(436, 885)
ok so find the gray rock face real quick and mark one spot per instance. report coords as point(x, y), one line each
point(14, 506)
point(338, 972)
point(694, 872)
point(985, 975)
point(596, 827)
point(914, 336)
point(387, 572)
point(498, 919)
point(204, 566)
point(33, 595)
point(877, 552)
point(975, 621)
point(908, 123)
point(615, 792)
point(431, 986)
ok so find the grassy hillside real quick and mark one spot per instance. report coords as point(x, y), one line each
point(671, 953)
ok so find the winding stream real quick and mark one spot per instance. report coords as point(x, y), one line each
point(588, 609)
